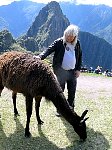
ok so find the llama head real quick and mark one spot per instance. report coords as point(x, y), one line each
point(80, 127)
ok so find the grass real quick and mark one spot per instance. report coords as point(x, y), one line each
point(56, 133)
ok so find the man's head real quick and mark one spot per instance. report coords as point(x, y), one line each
point(71, 34)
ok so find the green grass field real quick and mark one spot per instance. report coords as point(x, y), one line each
point(93, 93)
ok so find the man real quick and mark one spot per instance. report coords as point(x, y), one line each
point(67, 60)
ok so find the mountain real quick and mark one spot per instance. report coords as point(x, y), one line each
point(96, 51)
point(3, 23)
point(90, 18)
point(50, 24)
point(7, 42)
point(18, 16)
point(106, 33)
point(47, 27)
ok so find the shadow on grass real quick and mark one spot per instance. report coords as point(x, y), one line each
point(17, 141)
point(94, 141)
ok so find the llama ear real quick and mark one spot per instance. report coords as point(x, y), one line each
point(84, 120)
point(83, 114)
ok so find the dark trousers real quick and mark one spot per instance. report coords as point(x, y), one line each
point(67, 77)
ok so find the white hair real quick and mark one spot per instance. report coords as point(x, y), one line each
point(72, 30)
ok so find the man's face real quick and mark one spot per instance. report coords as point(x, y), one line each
point(70, 38)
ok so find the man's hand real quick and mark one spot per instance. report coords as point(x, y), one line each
point(77, 73)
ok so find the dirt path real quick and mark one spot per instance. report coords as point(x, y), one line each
point(95, 82)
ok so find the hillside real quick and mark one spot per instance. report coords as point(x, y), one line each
point(106, 33)
point(18, 16)
point(49, 25)
point(90, 18)
point(96, 51)
point(56, 133)
point(7, 42)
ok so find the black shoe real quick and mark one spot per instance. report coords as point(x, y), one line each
point(72, 108)
point(58, 114)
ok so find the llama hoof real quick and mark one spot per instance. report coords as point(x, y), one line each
point(83, 139)
point(40, 122)
point(27, 134)
point(16, 114)
point(58, 114)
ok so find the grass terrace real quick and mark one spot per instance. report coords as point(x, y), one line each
point(94, 92)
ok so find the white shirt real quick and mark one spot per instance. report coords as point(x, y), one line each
point(69, 59)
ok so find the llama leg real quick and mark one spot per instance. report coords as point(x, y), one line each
point(37, 105)
point(14, 103)
point(1, 88)
point(29, 101)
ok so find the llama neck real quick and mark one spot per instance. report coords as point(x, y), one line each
point(62, 105)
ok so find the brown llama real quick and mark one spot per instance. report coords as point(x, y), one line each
point(22, 73)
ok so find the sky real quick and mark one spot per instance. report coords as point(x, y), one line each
point(93, 2)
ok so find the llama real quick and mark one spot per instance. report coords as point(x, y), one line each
point(3, 59)
point(22, 73)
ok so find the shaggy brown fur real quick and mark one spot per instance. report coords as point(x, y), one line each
point(22, 73)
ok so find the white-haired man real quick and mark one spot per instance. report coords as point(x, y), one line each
point(67, 60)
